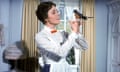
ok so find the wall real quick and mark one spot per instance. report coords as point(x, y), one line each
point(10, 16)
point(4, 14)
point(101, 35)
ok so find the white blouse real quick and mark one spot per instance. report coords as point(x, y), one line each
point(48, 42)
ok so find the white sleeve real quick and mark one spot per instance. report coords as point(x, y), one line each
point(61, 50)
point(81, 43)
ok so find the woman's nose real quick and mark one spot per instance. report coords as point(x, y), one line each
point(58, 14)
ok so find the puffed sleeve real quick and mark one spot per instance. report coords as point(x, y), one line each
point(80, 42)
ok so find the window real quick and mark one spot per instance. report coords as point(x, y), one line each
point(66, 8)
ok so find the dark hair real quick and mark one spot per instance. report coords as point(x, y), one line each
point(42, 10)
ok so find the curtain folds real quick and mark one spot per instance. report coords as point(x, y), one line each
point(88, 56)
point(29, 27)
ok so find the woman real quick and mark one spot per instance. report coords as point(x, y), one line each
point(51, 43)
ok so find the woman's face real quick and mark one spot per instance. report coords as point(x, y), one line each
point(53, 16)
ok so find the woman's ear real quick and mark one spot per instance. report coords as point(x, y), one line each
point(46, 20)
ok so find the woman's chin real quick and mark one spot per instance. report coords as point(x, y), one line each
point(57, 23)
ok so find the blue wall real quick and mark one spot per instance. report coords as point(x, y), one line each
point(11, 17)
point(101, 35)
point(4, 14)
point(15, 20)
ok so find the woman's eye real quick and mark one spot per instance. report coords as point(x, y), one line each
point(55, 12)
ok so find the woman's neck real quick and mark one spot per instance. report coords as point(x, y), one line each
point(51, 26)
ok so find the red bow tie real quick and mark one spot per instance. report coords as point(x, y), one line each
point(53, 31)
